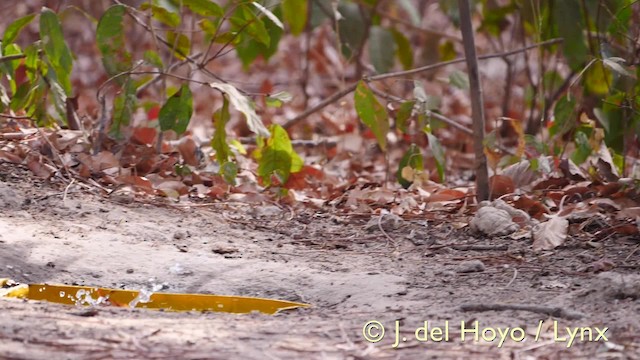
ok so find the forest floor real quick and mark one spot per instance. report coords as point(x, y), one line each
point(349, 272)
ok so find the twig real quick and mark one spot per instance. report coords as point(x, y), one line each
point(467, 247)
point(12, 57)
point(515, 275)
point(429, 113)
point(551, 311)
point(389, 238)
point(340, 93)
point(503, 247)
point(170, 46)
point(66, 190)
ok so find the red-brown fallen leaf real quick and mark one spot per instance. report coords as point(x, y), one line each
point(447, 195)
point(10, 157)
point(188, 149)
point(99, 162)
point(533, 207)
point(626, 229)
point(144, 136)
point(579, 193)
point(300, 180)
point(606, 190)
point(139, 182)
point(39, 169)
point(218, 191)
point(551, 183)
point(500, 185)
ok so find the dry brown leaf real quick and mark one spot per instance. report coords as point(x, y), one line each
point(144, 136)
point(447, 195)
point(500, 185)
point(188, 149)
point(10, 157)
point(550, 234)
point(520, 173)
point(39, 169)
point(139, 182)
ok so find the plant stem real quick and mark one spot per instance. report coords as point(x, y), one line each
point(477, 103)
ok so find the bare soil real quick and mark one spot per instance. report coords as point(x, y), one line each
point(349, 272)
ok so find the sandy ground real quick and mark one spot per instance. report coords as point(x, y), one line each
point(350, 275)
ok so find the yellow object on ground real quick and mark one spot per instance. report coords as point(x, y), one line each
point(87, 295)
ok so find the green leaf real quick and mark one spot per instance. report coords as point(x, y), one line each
point(152, 58)
point(351, 28)
point(615, 120)
point(382, 48)
point(570, 23)
point(175, 114)
point(123, 107)
point(403, 49)
point(31, 61)
point(372, 113)
point(294, 13)
point(459, 79)
point(447, 51)
point(9, 67)
point(55, 48)
point(598, 79)
point(438, 153)
point(404, 114)
point(278, 158)
point(229, 172)
point(204, 8)
point(163, 15)
point(563, 116)
point(110, 38)
point(413, 159)
point(583, 149)
point(219, 141)
point(13, 30)
point(246, 22)
point(245, 106)
point(180, 45)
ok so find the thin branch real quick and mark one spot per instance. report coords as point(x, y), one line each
point(340, 93)
point(169, 45)
point(12, 57)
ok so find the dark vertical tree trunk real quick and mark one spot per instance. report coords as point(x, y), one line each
point(477, 104)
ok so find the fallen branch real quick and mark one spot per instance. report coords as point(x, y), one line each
point(551, 311)
point(339, 94)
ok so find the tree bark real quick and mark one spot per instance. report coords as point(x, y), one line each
point(477, 103)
